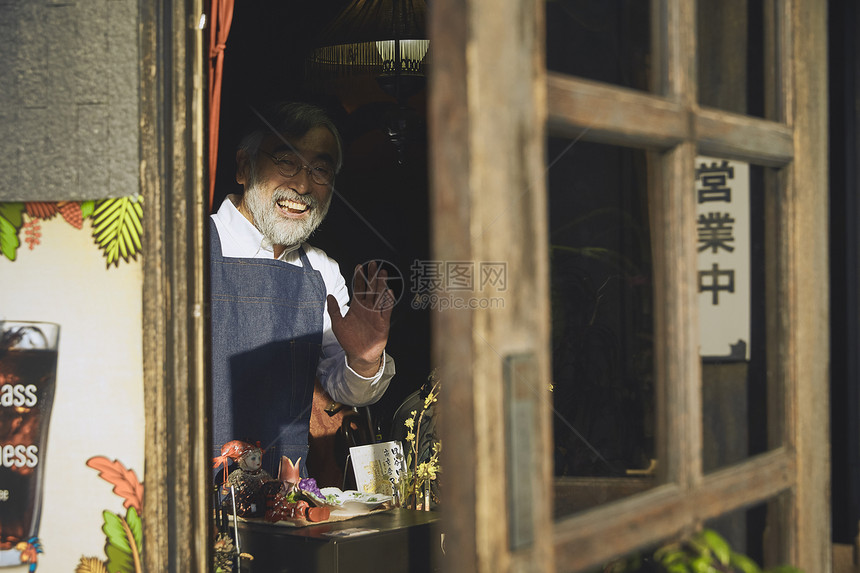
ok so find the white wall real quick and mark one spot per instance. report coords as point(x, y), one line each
point(98, 407)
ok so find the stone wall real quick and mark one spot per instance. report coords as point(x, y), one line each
point(69, 83)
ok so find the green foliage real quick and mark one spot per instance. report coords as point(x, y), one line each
point(10, 222)
point(117, 228)
point(121, 549)
point(117, 548)
point(706, 552)
point(87, 208)
point(136, 525)
point(745, 564)
point(711, 543)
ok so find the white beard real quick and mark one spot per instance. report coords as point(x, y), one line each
point(277, 229)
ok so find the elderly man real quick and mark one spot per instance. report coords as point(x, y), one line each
point(280, 308)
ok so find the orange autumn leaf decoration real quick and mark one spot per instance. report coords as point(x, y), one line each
point(41, 209)
point(125, 482)
point(71, 212)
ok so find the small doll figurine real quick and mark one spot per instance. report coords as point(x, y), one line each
point(248, 479)
point(251, 459)
point(249, 471)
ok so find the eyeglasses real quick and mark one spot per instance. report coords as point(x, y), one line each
point(289, 165)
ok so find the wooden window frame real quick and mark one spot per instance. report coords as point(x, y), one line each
point(798, 333)
point(177, 524)
point(466, 158)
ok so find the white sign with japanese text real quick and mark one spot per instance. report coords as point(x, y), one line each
point(378, 467)
point(722, 191)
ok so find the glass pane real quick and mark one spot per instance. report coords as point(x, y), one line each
point(754, 533)
point(605, 41)
point(602, 313)
point(731, 61)
point(731, 239)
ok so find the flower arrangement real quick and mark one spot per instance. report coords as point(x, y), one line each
point(419, 485)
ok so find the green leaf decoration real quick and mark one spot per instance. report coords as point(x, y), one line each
point(87, 208)
point(117, 549)
point(13, 213)
point(669, 554)
point(744, 563)
point(118, 561)
point(136, 526)
point(117, 228)
point(10, 222)
point(699, 548)
point(702, 564)
point(114, 531)
point(718, 546)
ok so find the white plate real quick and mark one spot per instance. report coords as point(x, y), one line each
point(355, 500)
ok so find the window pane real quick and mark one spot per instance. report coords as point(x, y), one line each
point(755, 532)
point(731, 237)
point(603, 384)
point(731, 63)
point(605, 41)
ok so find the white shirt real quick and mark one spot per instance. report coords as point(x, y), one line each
point(241, 239)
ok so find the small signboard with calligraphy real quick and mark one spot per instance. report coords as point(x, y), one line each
point(378, 467)
point(722, 190)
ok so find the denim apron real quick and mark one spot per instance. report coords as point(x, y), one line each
point(267, 323)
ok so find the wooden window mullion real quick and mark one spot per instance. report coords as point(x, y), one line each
point(676, 252)
point(804, 220)
point(678, 365)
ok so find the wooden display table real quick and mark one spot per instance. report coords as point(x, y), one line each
point(403, 541)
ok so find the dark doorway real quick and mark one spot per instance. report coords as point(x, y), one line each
point(380, 208)
point(844, 64)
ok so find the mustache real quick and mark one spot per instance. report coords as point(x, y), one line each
point(281, 194)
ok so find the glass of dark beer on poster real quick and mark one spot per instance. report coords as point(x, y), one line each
point(28, 368)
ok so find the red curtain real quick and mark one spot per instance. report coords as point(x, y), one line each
point(221, 17)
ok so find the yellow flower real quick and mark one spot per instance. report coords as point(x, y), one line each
point(409, 423)
point(410, 437)
point(426, 471)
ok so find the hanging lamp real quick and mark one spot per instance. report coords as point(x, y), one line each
point(385, 39)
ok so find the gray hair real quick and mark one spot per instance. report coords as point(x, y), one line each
point(292, 118)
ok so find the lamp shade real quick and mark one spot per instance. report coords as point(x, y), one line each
point(373, 36)
point(380, 39)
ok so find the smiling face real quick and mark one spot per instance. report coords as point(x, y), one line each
point(286, 210)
